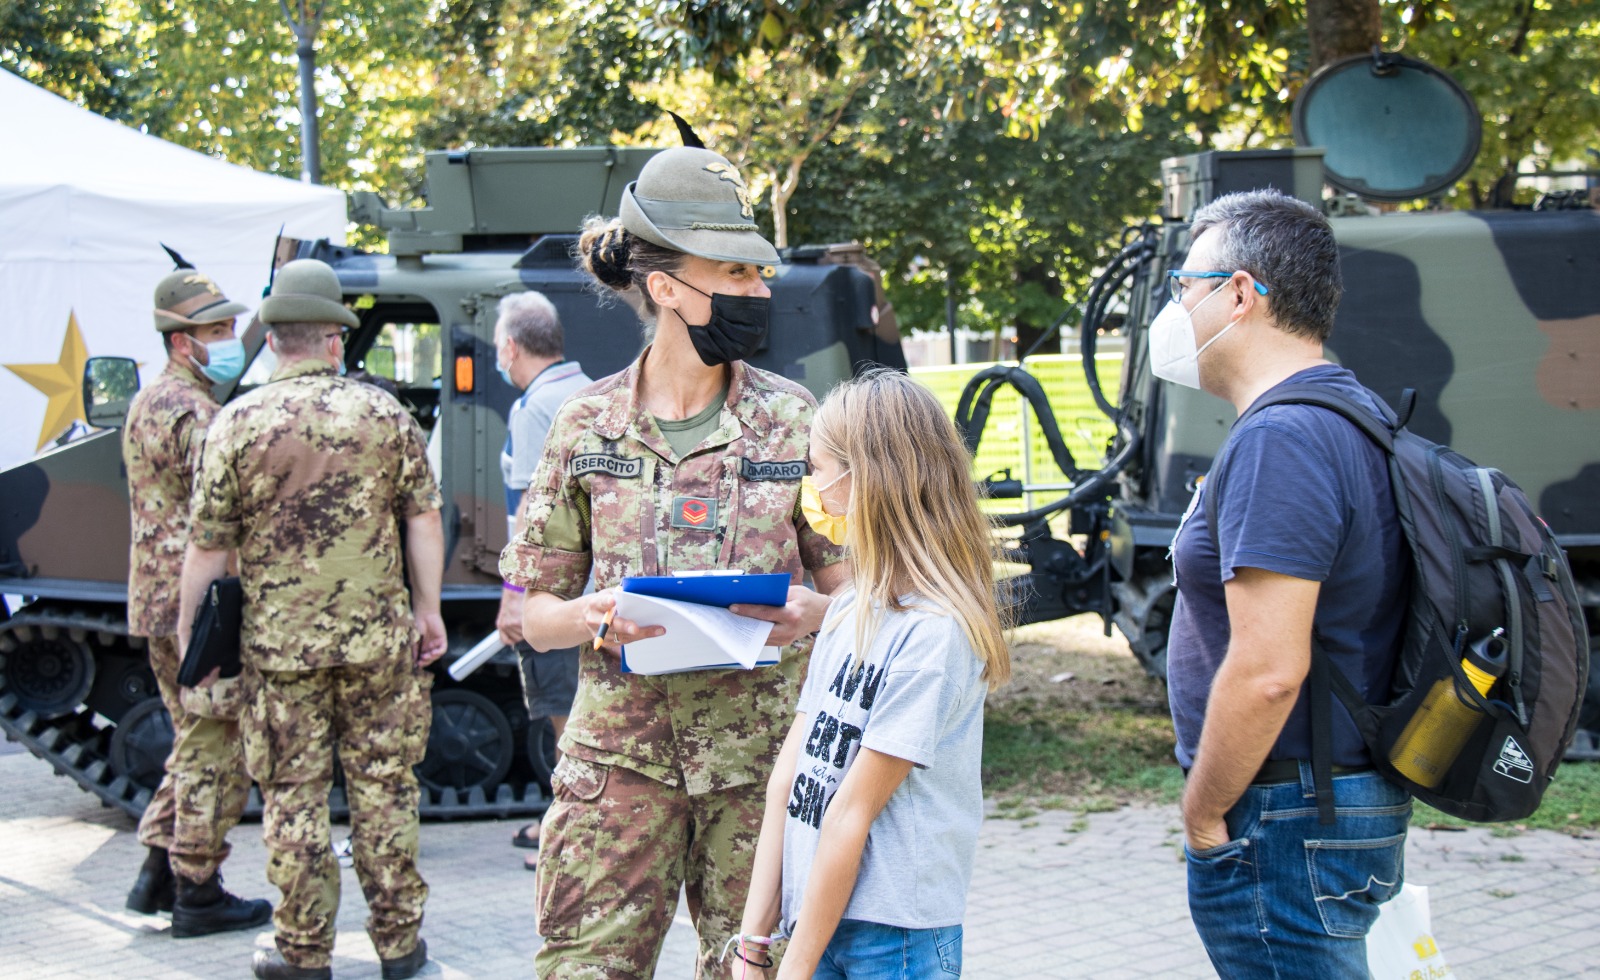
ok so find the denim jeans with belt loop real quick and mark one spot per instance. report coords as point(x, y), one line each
point(871, 951)
point(1287, 896)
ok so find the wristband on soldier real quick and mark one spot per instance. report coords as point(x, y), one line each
point(513, 588)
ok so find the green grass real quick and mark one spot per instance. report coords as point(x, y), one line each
point(1100, 737)
point(1093, 741)
point(1079, 758)
point(1571, 804)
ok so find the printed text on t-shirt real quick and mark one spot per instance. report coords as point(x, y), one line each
point(831, 742)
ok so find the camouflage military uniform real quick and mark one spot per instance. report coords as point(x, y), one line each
point(310, 477)
point(662, 781)
point(205, 786)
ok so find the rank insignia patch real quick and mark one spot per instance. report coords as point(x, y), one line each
point(697, 513)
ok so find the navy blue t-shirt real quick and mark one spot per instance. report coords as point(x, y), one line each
point(1305, 494)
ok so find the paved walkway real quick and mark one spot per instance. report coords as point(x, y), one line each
point(1054, 895)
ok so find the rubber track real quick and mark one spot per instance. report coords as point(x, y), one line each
point(61, 741)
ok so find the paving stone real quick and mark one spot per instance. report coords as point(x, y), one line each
point(1104, 901)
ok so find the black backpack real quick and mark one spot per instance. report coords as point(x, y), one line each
point(1486, 574)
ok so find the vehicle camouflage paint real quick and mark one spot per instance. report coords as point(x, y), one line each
point(75, 687)
point(1493, 317)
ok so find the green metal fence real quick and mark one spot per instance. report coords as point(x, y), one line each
point(1013, 439)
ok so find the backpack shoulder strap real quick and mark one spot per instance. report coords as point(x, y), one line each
point(1325, 679)
point(1322, 396)
point(1306, 393)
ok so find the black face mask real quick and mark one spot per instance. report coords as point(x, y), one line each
point(737, 328)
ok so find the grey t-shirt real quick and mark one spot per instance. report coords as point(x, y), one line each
point(529, 422)
point(917, 695)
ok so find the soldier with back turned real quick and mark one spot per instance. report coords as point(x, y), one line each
point(313, 477)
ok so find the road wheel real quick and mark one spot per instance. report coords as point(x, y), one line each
point(142, 742)
point(470, 743)
point(50, 675)
point(542, 751)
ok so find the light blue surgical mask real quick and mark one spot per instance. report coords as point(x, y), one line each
point(225, 360)
point(505, 375)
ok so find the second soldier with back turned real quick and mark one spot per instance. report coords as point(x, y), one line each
point(313, 478)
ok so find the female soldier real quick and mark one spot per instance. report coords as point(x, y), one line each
point(690, 459)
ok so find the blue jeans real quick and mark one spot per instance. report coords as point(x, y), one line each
point(1289, 897)
point(869, 951)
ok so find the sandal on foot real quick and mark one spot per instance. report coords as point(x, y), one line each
point(527, 837)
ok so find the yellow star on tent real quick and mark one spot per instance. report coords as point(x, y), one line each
point(61, 382)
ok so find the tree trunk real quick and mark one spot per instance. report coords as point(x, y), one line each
point(782, 191)
point(1341, 28)
point(1029, 333)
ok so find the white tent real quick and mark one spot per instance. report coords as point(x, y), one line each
point(84, 204)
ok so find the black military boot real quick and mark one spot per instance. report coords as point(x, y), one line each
point(405, 967)
point(153, 891)
point(270, 965)
point(204, 908)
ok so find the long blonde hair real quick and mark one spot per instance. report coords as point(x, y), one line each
point(914, 526)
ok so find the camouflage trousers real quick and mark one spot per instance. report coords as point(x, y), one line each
point(613, 851)
point(205, 786)
point(376, 716)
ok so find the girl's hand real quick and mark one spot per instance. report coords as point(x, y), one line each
point(621, 631)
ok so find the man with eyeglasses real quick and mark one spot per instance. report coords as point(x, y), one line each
point(1300, 544)
point(312, 478)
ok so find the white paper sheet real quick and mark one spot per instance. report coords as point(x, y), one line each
point(697, 636)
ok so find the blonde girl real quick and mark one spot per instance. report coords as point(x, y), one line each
point(872, 811)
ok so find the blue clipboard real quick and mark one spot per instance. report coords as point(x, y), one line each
point(771, 589)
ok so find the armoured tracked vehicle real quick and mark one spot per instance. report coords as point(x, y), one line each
point(74, 686)
point(1492, 316)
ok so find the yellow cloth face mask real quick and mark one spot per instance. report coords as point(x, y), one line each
point(828, 525)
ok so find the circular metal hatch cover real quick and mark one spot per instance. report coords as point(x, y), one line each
point(1394, 128)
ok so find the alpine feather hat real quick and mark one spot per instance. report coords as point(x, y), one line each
point(306, 291)
point(694, 201)
point(188, 298)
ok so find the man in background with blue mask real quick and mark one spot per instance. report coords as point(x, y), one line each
point(530, 352)
point(203, 792)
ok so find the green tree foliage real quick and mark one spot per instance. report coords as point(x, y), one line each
point(1014, 227)
point(1532, 66)
point(229, 84)
point(984, 149)
point(1026, 62)
point(540, 73)
point(70, 47)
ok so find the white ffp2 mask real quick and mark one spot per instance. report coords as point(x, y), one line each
point(1173, 354)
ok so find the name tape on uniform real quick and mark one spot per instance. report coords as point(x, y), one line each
point(792, 469)
point(622, 467)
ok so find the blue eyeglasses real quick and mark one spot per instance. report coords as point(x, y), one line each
point(1176, 288)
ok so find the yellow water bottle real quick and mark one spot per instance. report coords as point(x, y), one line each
point(1435, 735)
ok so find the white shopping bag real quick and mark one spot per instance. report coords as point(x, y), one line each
point(1401, 945)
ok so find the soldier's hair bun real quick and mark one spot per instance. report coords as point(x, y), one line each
point(605, 249)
